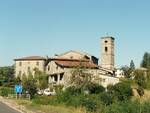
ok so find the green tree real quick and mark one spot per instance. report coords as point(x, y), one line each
point(132, 65)
point(41, 79)
point(29, 84)
point(127, 71)
point(146, 60)
point(7, 75)
point(122, 91)
point(82, 80)
point(140, 78)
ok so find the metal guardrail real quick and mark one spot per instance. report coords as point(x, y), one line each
point(20, 96)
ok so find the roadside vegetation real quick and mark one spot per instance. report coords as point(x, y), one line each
point(84, 96)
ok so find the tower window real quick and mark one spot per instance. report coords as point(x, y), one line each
point(106, 49)
point(106, 41)
point(20, 63)
point(37, 63)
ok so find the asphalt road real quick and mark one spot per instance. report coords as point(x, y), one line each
point(6, 109)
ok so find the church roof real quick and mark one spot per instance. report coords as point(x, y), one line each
point(70, 63)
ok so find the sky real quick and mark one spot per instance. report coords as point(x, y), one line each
point(49, 27)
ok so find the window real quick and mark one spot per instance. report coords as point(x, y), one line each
point(61, 76)
point(56, 67)
point(20, 72)
point(28, 69)
point(106, 49)
point(37, 63)
point(48, 68)
point(71, 57)
point(106, 41)
point(20, 63)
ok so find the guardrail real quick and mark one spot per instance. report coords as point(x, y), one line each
point(20, 96)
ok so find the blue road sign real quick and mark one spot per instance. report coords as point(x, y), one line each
point(18, 89)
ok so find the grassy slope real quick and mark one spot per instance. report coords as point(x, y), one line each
point(49, 108)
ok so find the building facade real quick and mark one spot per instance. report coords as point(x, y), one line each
point(59, 68)
point(26, 65)
point(107, 53)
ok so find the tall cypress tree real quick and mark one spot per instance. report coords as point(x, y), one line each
point(146, 60)
point(132, 65)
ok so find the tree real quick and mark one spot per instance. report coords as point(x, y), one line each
point(41, 79)
point(127, 71)
point(7, 75)
point(146, 60)
point(29, 84)
point(82, 81)
point(140, 78)
point(132, 65)
point(122, 91)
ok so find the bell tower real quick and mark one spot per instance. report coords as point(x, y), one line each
point(107, 52)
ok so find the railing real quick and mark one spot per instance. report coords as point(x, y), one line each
point(20, 96)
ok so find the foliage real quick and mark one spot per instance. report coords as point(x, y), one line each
point(140, 91)
point(7, 76)
point(42, 79)
point(29, 84)
point(122, 91)
point(132, 65)
point(90, 103)
point(124, 107)
point(127, 71)
point(146, 60)
point(107, 98)
point(94, 88)
point(4, 91)
point(44, 100)
point(140, 78)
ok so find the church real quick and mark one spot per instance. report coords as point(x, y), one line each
point(59, 68)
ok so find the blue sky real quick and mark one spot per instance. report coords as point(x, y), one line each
point(47, 27)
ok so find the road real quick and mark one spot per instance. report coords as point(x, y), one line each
point(5, 109)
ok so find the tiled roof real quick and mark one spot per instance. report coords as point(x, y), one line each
point(31, 58)
point(76, 63)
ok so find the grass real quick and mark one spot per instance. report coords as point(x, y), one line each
point(55, 109)
point(49, 108)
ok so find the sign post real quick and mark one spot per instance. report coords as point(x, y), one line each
point(18, 90)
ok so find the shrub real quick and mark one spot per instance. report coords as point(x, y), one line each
point(90, 103)
point(140, 91)
point(106, 98)
point(63, 96)
point(122, 91)
point(45, 100)
point(140, 78)
point(95, 88)
point(146, 107)
point(124, 107)
point(29, 84)
point(4, 91)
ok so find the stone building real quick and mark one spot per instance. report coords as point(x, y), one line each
point(107, 53)
point(25, 65)
point(59, 67)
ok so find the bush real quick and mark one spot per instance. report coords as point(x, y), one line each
point(45, 100)
point(124, 107)
point(106, 98)
point(122, 91)
point(146, 107)
point(140, 78)
point(95, 88)
point(5, 91)
point(91, 103)
point(140, 91)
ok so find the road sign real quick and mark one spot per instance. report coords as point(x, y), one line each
point(18, 89)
